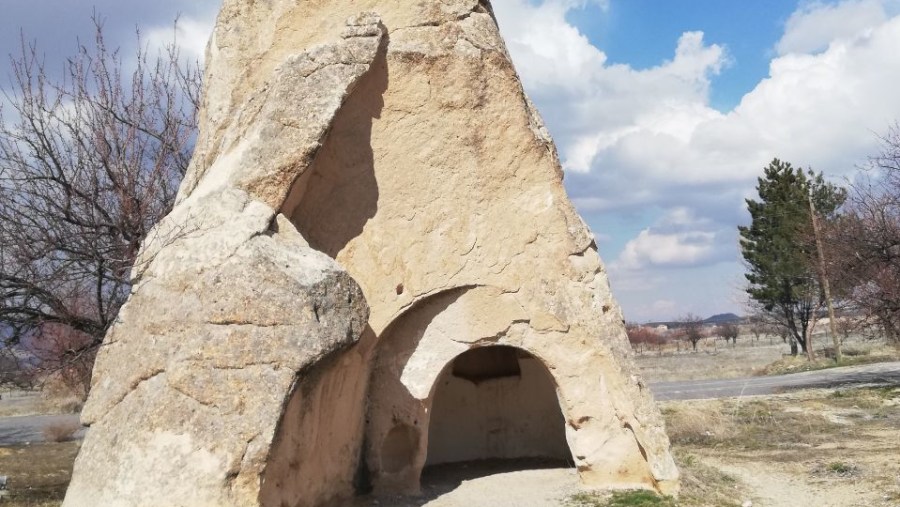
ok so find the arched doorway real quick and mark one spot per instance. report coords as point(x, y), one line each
point(495, 402)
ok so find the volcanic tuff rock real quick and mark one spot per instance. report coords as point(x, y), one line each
point(245, 371)
point(231, 313)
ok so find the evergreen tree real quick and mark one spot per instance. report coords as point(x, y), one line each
point(778, 246)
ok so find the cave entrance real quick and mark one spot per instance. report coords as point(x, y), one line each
point(495, 404)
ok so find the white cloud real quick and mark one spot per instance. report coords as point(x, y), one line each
point(667, 250)
point(817, 24)
point(591, 104)
point(635, 141)
point(678, 239)
point(189, 33)
point(635, 138)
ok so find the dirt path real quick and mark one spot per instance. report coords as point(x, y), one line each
point(786, 485)
point(489, 483)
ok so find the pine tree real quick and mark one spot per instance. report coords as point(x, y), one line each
point(779, 250)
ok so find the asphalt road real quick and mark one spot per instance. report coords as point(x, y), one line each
point(30, 428)
point(22, 430)
point(879, 374)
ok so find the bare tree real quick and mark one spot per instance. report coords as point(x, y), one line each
point(729, 331)
point(692, 327)
point(865, 242)
point(89, 162)
point(756, 325)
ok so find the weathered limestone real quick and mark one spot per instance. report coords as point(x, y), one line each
point(236, 327)
point(245, 369)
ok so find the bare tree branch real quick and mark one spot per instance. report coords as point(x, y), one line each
point(89, 163)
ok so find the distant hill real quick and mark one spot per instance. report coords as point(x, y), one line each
point(722, 318)
point(715, 320)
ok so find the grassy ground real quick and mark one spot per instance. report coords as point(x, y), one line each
point(830, 448)
point(21, 403)
point(38, 474)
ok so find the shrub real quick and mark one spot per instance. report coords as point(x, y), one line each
point(61, 431)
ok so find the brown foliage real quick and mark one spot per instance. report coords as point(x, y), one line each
point(641, 336)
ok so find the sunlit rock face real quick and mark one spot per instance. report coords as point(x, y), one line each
point(372, 267)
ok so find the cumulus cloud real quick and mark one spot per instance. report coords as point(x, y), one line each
point(667, 250)
point(590, 104)
point(635, 141)
point(679, 239)
point(815, 25)
point(649, 137)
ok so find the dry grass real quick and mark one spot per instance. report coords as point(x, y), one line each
point(716, 360)
point(701, 486)
point(839, 444)
point(745, 424)
point(705, 486)
point(697, 423)
point(741, 360)
point(38, 474)
point(21, 403)
point(852, 357)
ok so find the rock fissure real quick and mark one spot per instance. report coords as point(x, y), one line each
point(90, 417)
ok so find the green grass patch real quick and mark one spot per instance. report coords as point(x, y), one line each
point(637, 498)
point(839, 467)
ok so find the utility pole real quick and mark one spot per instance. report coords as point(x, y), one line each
point(823, 276)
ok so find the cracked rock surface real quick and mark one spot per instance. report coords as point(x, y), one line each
point(231, 312)
point(372, 196)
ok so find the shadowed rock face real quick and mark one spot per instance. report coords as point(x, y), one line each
point(391, 154)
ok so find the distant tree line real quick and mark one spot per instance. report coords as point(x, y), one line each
point(690, 330)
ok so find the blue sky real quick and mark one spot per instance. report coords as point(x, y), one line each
point(664, 111)
point(642, 33)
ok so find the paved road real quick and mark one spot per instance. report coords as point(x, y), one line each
point(30, 428)
point(19, 430)
point(882, 373)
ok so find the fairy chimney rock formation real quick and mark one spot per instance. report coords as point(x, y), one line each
point(372, 267)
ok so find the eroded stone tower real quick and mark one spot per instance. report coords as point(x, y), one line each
point(372, 267)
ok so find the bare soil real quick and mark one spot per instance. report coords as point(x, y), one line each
point(525, 483)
